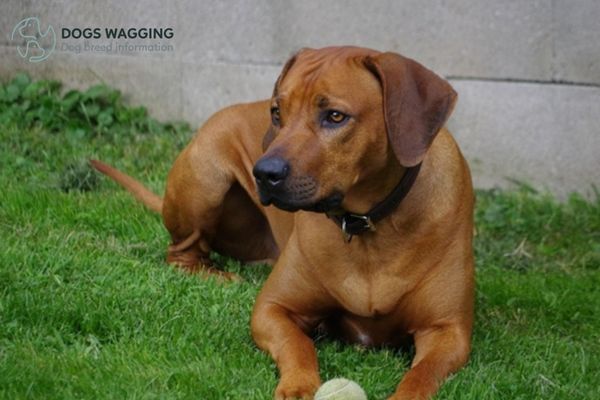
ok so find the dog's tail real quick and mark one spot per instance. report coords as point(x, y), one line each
point(143, 194)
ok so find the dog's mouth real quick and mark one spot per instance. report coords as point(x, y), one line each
point(323, 205)
point(297, 193)
point(291, 202)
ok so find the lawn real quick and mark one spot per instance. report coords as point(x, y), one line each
point(89, 308)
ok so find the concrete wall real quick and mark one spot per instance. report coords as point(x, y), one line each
point(527, 72)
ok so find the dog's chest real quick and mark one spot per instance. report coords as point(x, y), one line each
point(366, 278)
point(366, 294)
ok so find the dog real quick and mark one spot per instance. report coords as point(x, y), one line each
point(348, 180)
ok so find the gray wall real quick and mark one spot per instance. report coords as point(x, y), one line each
point(527, 72)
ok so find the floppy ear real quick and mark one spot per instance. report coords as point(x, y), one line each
point(270, 135)
point(416, 104)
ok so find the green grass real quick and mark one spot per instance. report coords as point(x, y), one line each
point(89, 308)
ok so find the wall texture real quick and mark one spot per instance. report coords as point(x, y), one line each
point(527, 72)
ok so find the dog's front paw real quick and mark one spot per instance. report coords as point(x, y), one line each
point(299, 386)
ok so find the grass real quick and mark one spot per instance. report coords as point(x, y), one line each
point(89, 308)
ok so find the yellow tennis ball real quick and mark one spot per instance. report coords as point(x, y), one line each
point(340, 389)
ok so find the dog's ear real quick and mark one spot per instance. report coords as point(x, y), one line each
point(416, 104)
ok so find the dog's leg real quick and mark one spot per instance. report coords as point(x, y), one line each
point(193, 202)
point(276, 332)
point(439, 352)
point(284, 315)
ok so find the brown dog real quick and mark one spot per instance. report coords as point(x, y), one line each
point(380, 248)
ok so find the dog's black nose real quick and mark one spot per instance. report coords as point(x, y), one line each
point(270, 172)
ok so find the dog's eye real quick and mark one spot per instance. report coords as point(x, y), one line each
point(334, 119)
point(275, 115)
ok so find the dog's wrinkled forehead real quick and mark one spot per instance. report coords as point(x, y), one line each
point(307, 66)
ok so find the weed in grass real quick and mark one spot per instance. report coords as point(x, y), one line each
point(79, 176)
point(97, 111)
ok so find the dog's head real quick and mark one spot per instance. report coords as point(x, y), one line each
point(340, 114)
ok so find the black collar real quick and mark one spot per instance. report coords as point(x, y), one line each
point(355, 224)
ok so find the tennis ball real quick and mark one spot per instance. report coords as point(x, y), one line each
point(340, 389)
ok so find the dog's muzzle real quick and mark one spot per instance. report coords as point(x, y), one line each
point(278, 186)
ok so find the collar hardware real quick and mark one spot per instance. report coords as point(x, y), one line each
point(354, 224)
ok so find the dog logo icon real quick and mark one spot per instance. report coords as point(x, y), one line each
point(34, 45)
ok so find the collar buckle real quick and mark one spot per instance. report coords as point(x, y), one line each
point(353, 224)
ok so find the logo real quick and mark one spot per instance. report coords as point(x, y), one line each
point(35, 45)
